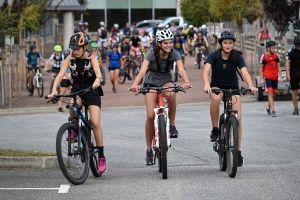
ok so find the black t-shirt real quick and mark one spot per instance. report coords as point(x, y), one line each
point(294, 56)
point(223, 71)
point(126, 31)
point(191, 34)
point(135, 41)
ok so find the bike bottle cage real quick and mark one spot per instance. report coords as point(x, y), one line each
point(88, 70)
point(218, 55)
point(169, 61)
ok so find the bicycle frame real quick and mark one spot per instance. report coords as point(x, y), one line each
point(35, 78)
point(160, 110)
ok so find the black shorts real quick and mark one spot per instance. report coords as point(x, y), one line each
point(151, 85)
point(294, 82)
point(90, 98)
point(226, 88)
point(55, 70)
point(65, 83)
point(113, 68)
point(32, 68)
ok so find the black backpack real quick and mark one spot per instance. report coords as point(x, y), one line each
point(218, 55)
point(103, 33)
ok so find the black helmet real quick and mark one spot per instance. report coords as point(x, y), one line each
point(32, 47)
point(180, 28)
point(126, 36)
point(177, 34)
point(270, 43)
point(135, 32)
point(227, 34)
point(115, 45)
point(113, 34)
point(78, 40)
point(297, 41)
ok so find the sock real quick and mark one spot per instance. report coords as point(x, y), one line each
point(101, 152)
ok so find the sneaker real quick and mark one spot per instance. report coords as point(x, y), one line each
point(296, 112)
point(30, 92)
point(129, 77)
point(214, 134)
point(195, 63)
point(173, 131)
point(268, 112)
point(60, 110)
point(73, 135)
point(149, 157)
point(240, 159)
point(102, 165)
point(114, 90)
point(273, 114)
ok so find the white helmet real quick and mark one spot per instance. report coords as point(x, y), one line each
point(166, 26)
point(185, 24)
point(116, 25)
point(203, 26)
point(164, 35)
point(101, 23)
point(191, 26)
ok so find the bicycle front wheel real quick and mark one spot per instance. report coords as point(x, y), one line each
point(176, 73)
point(232, 145)
point(40, 87)
point(163, 145)
point(221, 141)
point(122, 77)
point(199, 59)
point(72, 154)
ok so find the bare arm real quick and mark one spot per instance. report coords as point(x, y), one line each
point(287, 69)
point(248, 79)
point(205, 78)
point(261, 66)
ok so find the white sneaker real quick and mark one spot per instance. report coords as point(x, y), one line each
point(203, 56)
point(195, 63)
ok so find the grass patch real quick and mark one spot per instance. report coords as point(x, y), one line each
point(10, 152)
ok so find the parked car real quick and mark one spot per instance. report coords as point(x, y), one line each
point(145, 24)
point(179, 21)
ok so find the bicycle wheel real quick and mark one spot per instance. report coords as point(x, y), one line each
point(51, 85)
point(122, 77)
point(40, 89)
point(232, 147)
point(158, 155)
point(94, 155)
point(163, 145)
point(221, 142)
point(135, 72)
point(199, 59)
point(27, 86)
point(73, 156)
point(176, 73)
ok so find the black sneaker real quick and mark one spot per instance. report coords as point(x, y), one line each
point(296, 112)
point(214, 134)
point(30, 92)
point(268, 112)
point(173, 131)
point(60, 110)
point(129, 77)
point(149, 157)
point(273, 114)
point(240, 159)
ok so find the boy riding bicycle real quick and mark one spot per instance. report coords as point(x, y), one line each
point(31, 64)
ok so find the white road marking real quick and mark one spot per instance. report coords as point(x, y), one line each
point(61, 189)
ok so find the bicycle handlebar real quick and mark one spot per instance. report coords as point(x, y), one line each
point(81, 92)
point(148, 88)
point(242, 91)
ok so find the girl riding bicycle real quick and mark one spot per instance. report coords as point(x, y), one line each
point(224, 63)
point(156, 69)
point(85, 72)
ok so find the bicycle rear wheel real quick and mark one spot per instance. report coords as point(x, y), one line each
point(163, 146)
point(221, 142)
point(40, 88)
point(232, 146)
point(73, 156)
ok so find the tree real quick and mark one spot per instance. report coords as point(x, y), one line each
point(7, 20)
point(195, 11)
point(281, 12)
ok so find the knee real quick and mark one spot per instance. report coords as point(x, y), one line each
point(150, 117)
point(95, 123)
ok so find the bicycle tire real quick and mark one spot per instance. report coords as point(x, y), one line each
point(158, 155)
point(27, 85)
point(80, 156)
point(135, 72)
point(221, 141)
point(51, 85)
point(122, 77)
point(176, 74)
point(232, 147)
point(199, 59)
point(94, 155)
point(163, 145)
point(40, 89)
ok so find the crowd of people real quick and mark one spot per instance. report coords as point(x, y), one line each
point(79, 68)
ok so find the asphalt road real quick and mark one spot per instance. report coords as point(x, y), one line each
point(271, 169)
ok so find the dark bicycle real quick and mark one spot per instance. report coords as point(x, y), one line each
point(103, 52)
point(175, 70)
point(76, 155)
point(52, 82)
point(227, 143)
point(134, 64)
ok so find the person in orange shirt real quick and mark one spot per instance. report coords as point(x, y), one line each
point(269, 69)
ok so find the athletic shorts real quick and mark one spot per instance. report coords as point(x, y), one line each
point(113, 68)
point(271, 85)
point(65, 83)
point(91, 98)
point(100, 41)
point(32, 68)
point(151, 85)
point(294, 82)
point(55, 70)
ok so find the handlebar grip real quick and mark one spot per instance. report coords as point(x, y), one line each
point(129, 89)
point(46, 97)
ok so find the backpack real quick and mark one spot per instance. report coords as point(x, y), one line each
point(218, 55)
point(89, 73)
point(169, 61)
point(103, 33)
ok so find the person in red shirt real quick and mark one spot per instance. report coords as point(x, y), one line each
point(269, 69)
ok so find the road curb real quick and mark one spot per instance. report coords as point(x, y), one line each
point(41, 162)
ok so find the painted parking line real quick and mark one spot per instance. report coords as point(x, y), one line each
point(61, 189)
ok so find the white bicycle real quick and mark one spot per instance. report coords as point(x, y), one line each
point(37, 82)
